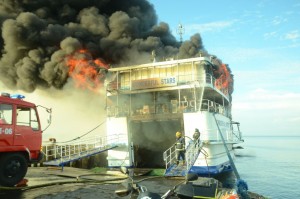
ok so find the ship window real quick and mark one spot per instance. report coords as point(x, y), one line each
point(144, 73)
point(125, 81)
point(156, 72)
point(168, 72)
point(184, 73)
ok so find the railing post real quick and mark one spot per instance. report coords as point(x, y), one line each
point(69, 146)
point(79, 149)
point(54, 148)
point(61, 153)
point(192, 153)
point(46, 153)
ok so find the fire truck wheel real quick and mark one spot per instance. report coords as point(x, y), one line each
point(13, 168)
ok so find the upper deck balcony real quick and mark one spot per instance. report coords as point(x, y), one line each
point(170, 75)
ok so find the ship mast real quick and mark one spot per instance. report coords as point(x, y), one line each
point(180, 31)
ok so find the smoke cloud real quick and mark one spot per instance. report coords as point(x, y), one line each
point(39, 36)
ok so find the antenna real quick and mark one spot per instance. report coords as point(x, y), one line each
point(153, 56)
point(180, 31)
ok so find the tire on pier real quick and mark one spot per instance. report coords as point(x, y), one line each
point(13, 168)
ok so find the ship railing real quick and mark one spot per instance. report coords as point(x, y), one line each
point(211, 106)
point(201, 80)
point(174, 106)
point(192, 152)
point(67, 150)
point(190, 79)
point(151, 108)
point(117, 111)
point(169, 156)
point(217, 84)
point(186, 79)
point(237, 135)
point(236, 130)
point(210, 79)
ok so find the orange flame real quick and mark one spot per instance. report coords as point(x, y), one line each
point(225, 76)
point(225, 81)
point(87, 72)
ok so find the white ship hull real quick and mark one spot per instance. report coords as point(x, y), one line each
point(212, 160)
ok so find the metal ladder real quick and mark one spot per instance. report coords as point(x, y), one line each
point(192, 152)
point(60, 154)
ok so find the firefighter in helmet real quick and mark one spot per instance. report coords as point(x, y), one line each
point(196, 138)
point(180, 147)
point(196, 134)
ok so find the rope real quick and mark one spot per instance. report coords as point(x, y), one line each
point(206, 155)
point(77, 138)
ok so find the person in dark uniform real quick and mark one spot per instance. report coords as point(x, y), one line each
point(196, 134)
point(196, 138)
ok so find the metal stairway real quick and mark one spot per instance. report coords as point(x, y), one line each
point(61, 154)
point(192, 152)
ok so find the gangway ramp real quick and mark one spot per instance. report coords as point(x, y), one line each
point(60, 154)
point(192, 152)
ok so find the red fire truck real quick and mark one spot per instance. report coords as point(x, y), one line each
point(20, 137)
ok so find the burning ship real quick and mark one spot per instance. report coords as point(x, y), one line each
point(148, 103)
point(45, 43)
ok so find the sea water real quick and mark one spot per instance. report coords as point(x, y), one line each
point(271, 165)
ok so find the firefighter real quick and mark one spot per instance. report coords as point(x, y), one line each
point(180, 148)
point(196, 134)
point(196, 137)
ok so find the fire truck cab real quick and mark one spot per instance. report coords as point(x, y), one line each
point(20, 138)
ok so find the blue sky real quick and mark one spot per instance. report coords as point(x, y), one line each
point(260, 40)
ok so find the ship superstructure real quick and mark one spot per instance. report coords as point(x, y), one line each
point(149, 103)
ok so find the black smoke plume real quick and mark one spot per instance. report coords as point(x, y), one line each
point(38, 35)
